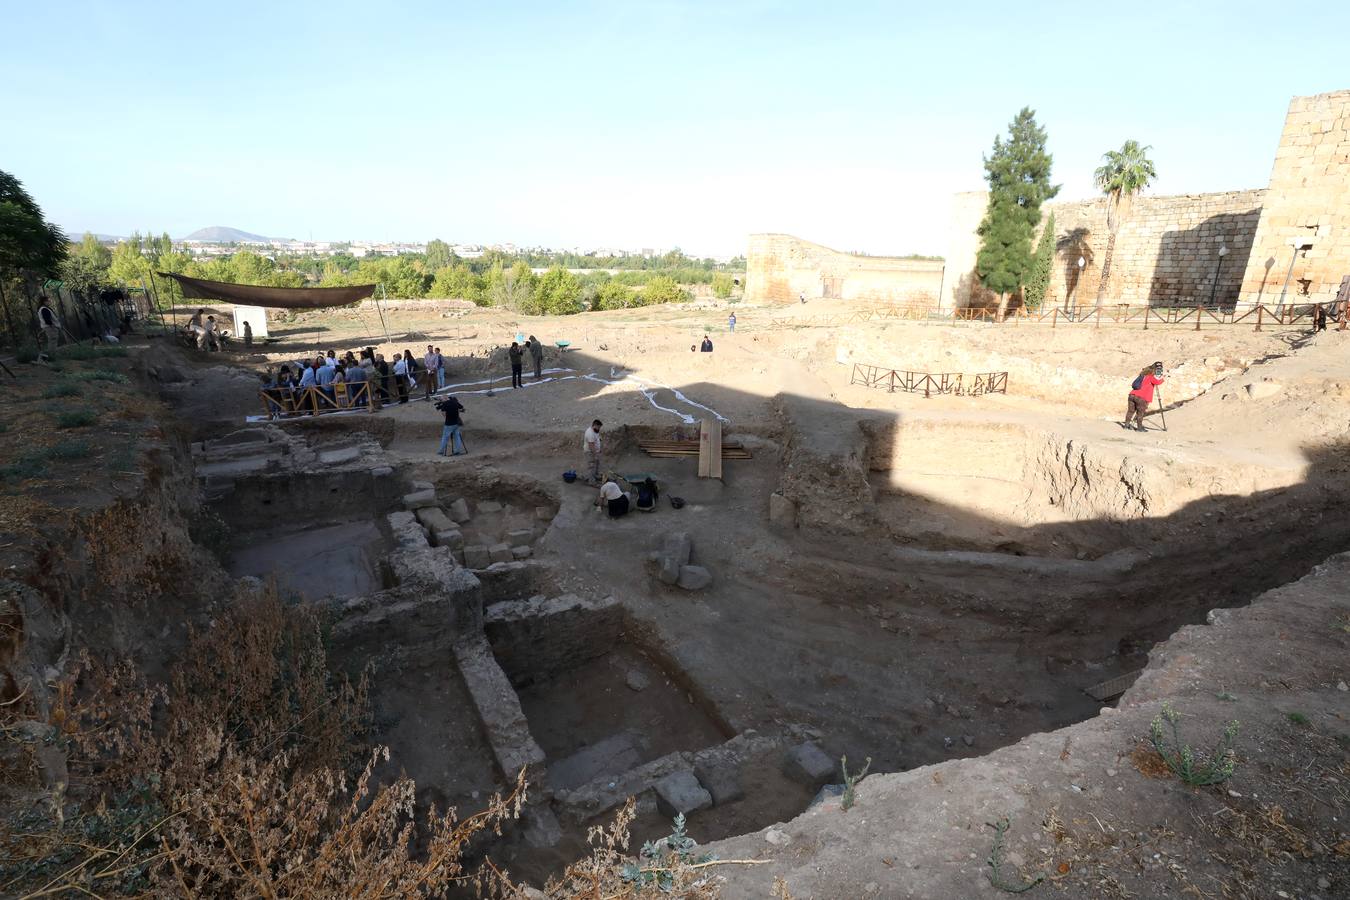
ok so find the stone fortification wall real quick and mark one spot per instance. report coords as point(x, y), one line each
point(780, 267)
point(1165, 252)
point(1167, 249)
point(1308, 202)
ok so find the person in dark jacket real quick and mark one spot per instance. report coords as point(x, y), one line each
point(453, 426)
point(536, 356)
point(706, 346)
point(515, 353)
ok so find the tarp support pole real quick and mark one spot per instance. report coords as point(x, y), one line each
point(380, 310)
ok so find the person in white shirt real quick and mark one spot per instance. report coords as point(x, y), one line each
point(612, 497)
point(401, 378)
point(590, 450)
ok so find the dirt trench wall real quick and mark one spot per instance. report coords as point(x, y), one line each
point(102, 577)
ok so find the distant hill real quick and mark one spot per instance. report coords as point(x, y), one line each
point(219, 234)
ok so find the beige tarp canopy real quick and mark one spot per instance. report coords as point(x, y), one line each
point(272, 297)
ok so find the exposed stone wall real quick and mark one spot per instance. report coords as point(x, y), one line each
point(1308, 201)
point(1167, 249)
point(780, 267)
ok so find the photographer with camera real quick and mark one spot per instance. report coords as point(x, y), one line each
point(453, 426)
point(1141, 395)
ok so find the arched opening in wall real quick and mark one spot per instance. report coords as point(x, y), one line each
point(831, 287)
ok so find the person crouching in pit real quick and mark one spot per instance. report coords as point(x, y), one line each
point(612, 498)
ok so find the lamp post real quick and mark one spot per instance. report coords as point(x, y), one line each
point(1223, 251)
point(1298, 244)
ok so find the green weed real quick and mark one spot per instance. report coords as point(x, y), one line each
point(846, 802)
point(1191, 766)
point(61, 389)
point(86, 351)
point(1298, 718)
point(995, 873)
point(77, 418)
point(25, 467)
point(100, 375)
point(26, 354)
point(68, 450)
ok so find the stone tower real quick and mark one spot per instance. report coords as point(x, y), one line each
point(1305, 217)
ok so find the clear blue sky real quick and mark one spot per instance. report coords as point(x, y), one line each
point(625, 123)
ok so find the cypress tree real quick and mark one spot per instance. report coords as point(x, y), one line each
point(1018, 172)
point(1039, 282)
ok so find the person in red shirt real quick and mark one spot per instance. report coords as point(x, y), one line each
point(1141, 396)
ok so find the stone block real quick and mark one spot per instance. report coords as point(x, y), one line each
point(519, 536)
point(694, 578)
point(723, 782)
point(500, 553)
point(418, 486)
point(419, 499)
point(434, 518)
point(476, 556)
point(830, 793)
point(782, 511)
point(449, 537)
point(669, 572)
point(543, 513)
point(339, 456)
point(636, 680)
point(809, 765)
point(679, 793)
point(381, 471)
point(459, 511)
point(522, 552)
point(679, 546)
point(489, 506)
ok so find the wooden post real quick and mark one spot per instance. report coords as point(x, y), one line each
point(1260, 308)
point(314, 399)
point(267, 409)
point(1199, 311)
point(1054, 319)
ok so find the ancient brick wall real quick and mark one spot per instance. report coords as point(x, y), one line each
point(1166, 253)
point(1308, 203)
point(780, 267)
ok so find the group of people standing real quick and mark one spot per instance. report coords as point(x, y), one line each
point(340, 378)
point(516, 353)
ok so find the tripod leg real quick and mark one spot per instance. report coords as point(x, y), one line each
point(1162, 415)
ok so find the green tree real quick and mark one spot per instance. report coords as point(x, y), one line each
point(1038, 284)
point(663, 289)
point(457, 283)
point(614, 295)
point(31, 248)
point(439, 255)
point(86, 267)
point(513, 288)
point(722, 285)
point(128, 266)
point(1122, 175)
point(558, 293)
point(1018, 172)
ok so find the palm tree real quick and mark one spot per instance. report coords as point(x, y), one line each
point(1125, 172)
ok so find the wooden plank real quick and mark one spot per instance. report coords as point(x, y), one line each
point(1112, 687)
point(704, 449)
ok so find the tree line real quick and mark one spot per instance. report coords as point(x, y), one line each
point(496, 278)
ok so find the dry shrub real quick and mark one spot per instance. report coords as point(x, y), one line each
point(235, 780)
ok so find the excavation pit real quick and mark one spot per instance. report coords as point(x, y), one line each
point(319, 560)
